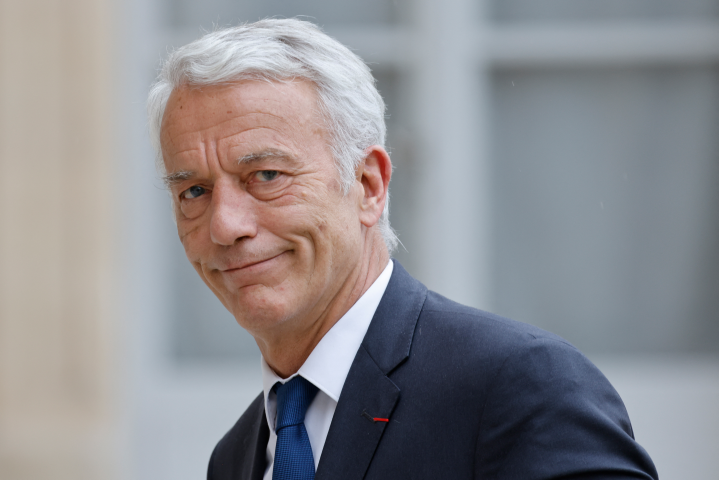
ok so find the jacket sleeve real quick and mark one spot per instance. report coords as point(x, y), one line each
point(551, 414)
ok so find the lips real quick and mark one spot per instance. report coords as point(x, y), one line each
point(266, 271)
point(248, 264)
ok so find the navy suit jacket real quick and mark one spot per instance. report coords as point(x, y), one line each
point(468, 395)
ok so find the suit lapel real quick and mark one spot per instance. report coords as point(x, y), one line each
point(260, 448)
point(251, 457)
point(368, 392)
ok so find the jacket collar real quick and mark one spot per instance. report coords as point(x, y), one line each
point(368, 393)
point(389, 336)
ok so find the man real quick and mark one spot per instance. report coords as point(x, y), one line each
point(271, 137)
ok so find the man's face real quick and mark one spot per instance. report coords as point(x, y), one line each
point(258, 200)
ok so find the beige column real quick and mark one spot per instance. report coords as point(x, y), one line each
point(58, 379)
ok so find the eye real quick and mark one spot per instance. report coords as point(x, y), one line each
point(193, 192)
point(266, 175)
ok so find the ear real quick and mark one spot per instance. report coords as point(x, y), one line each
point(374, 173)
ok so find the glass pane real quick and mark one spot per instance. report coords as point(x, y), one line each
point(553, 10)
point(191, 13)
point(605, 186)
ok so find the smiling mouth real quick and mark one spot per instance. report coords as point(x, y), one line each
point(253, 264)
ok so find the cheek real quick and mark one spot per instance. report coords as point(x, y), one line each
point(336, 231)
point(192, 238)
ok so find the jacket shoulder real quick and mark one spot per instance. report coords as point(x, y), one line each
point(474, 327)
point(542, 406)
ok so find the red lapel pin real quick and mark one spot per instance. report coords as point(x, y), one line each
point(374, 419)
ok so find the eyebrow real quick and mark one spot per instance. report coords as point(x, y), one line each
point(257, 156)
point(173, 179)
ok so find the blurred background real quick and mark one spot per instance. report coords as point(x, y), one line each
point(557, 162)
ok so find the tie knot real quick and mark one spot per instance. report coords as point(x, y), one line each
point(293, 398)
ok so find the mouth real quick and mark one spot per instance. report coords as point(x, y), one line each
point(253, 264)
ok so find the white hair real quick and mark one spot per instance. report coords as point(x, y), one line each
point(282, 50)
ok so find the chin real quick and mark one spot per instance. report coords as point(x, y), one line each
point(258, 309)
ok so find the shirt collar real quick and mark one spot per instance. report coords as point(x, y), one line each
point(329, 363)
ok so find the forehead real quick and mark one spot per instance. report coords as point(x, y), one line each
point(249, 109)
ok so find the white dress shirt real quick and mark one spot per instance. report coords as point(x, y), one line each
point(326, 368)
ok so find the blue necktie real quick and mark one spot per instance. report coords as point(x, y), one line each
point(293, 454)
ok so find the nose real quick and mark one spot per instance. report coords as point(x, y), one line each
point(233, 214)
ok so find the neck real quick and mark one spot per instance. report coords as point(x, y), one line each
point(285, 352)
